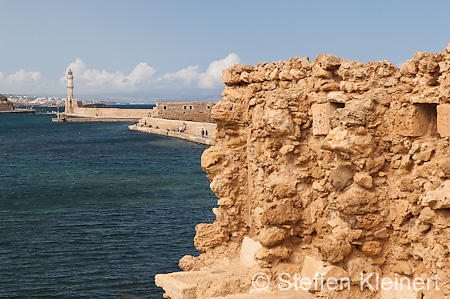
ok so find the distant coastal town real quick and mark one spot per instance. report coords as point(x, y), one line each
point(27, 100)
point(48, 101)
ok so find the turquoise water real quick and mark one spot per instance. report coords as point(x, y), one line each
point(92, 210)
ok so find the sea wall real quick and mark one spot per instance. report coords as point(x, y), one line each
point(189, 127)
point(174, 134)
point(331, 165)
point(108, 112)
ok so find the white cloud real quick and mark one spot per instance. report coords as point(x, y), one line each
point(141, 73)
point(142, 78)
point(22, 78)
point(21, 81)
point(213, 75)
point(93, 80)
point(210, 79)
point(186, 76)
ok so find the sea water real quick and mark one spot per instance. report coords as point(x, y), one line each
point(92, 210)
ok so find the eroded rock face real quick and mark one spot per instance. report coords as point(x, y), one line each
point(344, 161)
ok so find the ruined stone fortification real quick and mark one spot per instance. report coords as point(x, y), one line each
point(5, 105)
point(330, 166)
point(188, 111)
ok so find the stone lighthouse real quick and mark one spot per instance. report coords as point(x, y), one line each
point(70, 85)
point(69, 101)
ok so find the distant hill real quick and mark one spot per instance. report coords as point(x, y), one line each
point(3, 98)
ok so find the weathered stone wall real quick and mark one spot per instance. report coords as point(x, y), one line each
point(335, 161)
point(191, 111)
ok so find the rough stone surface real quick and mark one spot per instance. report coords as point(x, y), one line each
point(443, 120)
point(371, 248)
point(265, 256)
point(209, 235)
point(438, 198)
point(363, 179)
point(271, 236)
point(338, 160)
point(341, 177)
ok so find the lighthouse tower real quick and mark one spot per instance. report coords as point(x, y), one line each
point(70, 85)
point(69, 101)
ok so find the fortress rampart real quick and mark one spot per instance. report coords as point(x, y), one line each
point(188, 111)
point(330, 166)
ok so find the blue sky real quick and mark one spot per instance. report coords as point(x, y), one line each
point(155, 49)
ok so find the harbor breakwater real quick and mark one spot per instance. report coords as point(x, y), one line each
point(190, 130)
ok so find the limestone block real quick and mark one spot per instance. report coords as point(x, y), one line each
point(210, 158)
point(439, 198)
point(358, 265)
point(427, 215)
point(445, 167)
point(341, 177)
point(248, 250)
point(398, 291)
point(180, 285)
point(311, 267)
point(412, 121)
point(442, 220)
point(371, 248)
point(363, 179)
point(321, 118)
point(443, 120)
point(409, 68)
point(421, 99)
point(286, 149)
point(344, 140)
point(337, 97)
point(334, 272)
point(268, 255)
point(444, 86)
point(208, 235)
point(271, 235)
point(278, 121)
point(233, 93)
point(334, 248)
point(402, 267)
